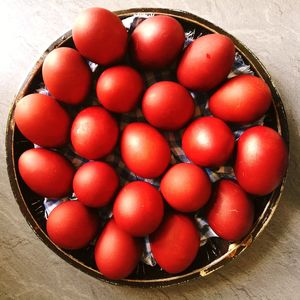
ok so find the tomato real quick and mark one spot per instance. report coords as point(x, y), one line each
point(46, 172)
point(71, 225)
point(167, 105)
point(42, 120)
point(242, 99)
point(186, 187)
point(176, 243)
point(117, 253)
point(95, 183)
point(66, 75)
point(231, 212)
point(138, 208)
point(208, 142)
point(156, 42)
point(144, 150)
point(261, 160)
point(119, 88)
point(100, 36)
point(94, 133)
point(206, 62)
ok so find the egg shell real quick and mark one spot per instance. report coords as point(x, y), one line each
point(167, 105)
point(46, 172)
point(94, 133)
point(261, 160)
point(186, 187)
point(67, 75)
point(242, 99)
point(117, 253)
point(206, 62)
point(208, 142)
point(144, 150)
point(138, 208)
point(71, 225)
point(176, 243)
point(231, 212)
point(95, 183)
point(42, 120)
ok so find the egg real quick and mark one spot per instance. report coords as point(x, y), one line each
point(46, 172)
point(66, 75)
point(95, 183)
point(117, 253)
point(42, 120)
point(119, 88)
point(100, 36)
point(94, 133)
point(231, 212)
point(206, 62)
point(208, 142)
point(144, 150)
point(156, 42)
point(71, 225)
point(261, 160)
point(186, 187)
point(176, 243)
point(167, 105)
point(242, 99)
point(138, 208)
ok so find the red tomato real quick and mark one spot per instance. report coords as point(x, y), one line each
point(66, 75)
point(46, 172)
point(119, 88)
point(176, 243)
point(242, 99)
point(144, 150)
point(100, 36)
point(208, 142)
point(167, 105)
point(95, 183)
point(261, 160)
point(186, 187)
point(42, 120)
point(206, 62)
point(231, 213)
point(94, 133)
point(71, 225)
point(117, 253)
point(138, 208)
point(156, 42)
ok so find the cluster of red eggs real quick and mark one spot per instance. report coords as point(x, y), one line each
point(138, 207)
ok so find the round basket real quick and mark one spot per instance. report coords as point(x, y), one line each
point(215, 253)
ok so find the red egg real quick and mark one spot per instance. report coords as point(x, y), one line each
point(71, 225)
point(186, 187)
point(176, 243)
point(231, 212)
point(66, 75)
point(208, 142)
point(100, 36)
point(117, 253)
point(94, 133)
point(119, 88)
point(95, 183)
point(144, 150)
point(206, 62)
point(167, 105)
point(138, 208)
point(261, 160)
point(242, 99)
point(46, 172)
point(42, 120)
point(156, 42)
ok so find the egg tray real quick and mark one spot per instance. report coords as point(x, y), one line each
point(215, 252)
